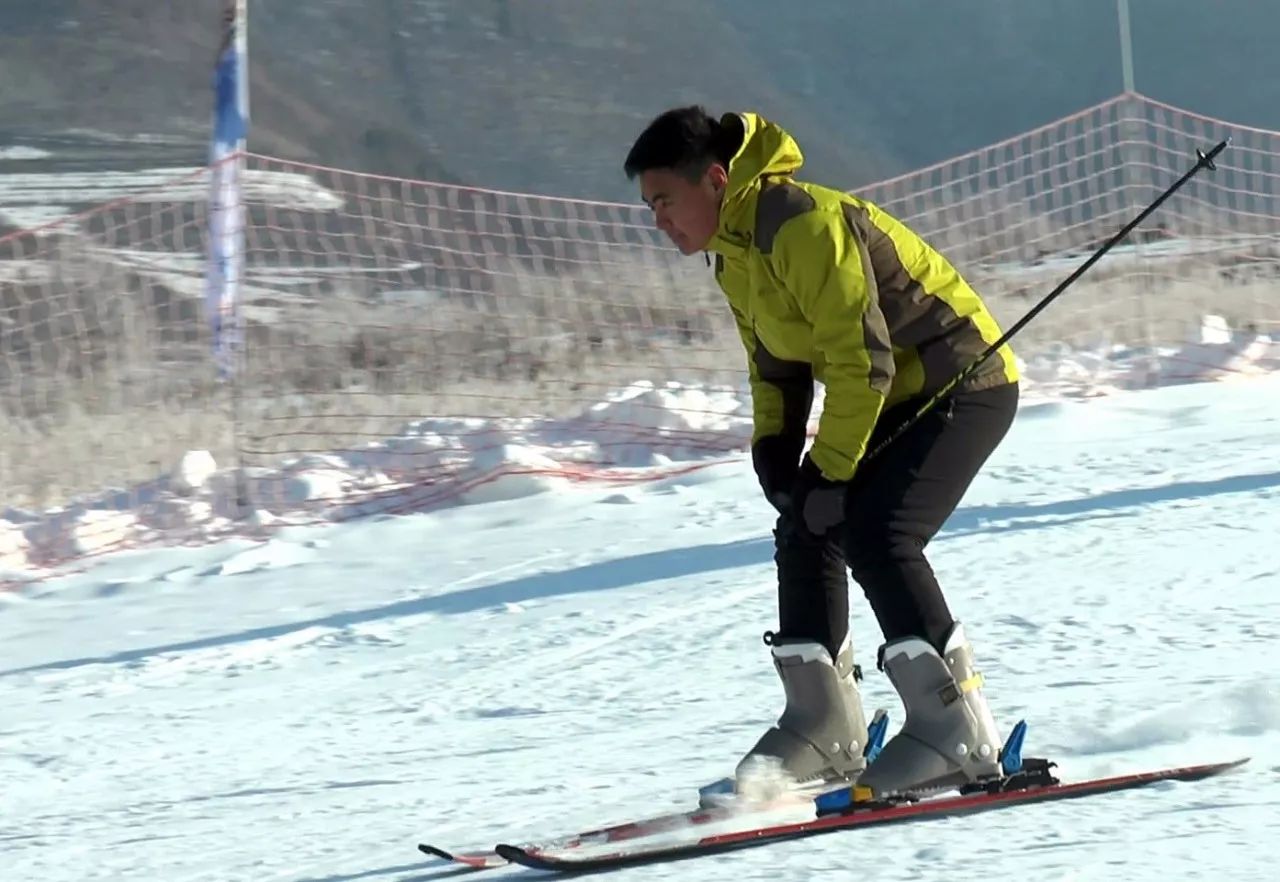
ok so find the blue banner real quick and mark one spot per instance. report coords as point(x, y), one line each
point(226, 215)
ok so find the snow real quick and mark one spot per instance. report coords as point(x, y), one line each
point(1127, 255)
point(564, 653)
point(16, 152)
point(33, 217)
point(167, 184)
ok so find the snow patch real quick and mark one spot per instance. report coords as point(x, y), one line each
point(79, 532)
point(271, 555)
point(193, 471)
point(14, 546)
point(20, 153)
point(33, 217)
point(172, 184)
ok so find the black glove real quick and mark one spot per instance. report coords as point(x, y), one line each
point(776, 459)
point(817, 503)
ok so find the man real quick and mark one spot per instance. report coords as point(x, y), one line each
point(825, 286)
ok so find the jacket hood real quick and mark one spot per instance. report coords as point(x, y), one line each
point(766, 150)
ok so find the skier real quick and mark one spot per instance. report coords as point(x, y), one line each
point(826, 286)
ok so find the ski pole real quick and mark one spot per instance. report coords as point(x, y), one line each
point(1203, 161)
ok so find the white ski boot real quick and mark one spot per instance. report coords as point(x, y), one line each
point(949, 738)
point(820, 737)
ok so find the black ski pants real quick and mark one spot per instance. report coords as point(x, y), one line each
point(894, 505)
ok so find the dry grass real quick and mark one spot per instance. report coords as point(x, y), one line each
point(118, 395)
point(356, 373)
point(1136, 308)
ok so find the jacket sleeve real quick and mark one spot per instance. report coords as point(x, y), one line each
point(781, 391)
point(824, 264)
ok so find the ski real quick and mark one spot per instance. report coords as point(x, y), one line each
point(629, 830)
point(476, 860)
point(708, 813)
point(859, 815)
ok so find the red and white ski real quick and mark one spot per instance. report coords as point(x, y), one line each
point(476, 860)
point(582, 852)
point(627, 831)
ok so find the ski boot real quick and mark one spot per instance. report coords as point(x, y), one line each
point(949, 739)
point(819, 740)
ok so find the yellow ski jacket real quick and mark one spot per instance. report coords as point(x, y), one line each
point(827, 286)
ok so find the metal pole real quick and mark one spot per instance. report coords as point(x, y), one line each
point(1126, 45)
point(241, 355)
point(242, 49)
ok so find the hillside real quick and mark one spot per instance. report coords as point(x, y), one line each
point(546, 96)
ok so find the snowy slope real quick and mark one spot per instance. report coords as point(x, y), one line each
point(310, 708)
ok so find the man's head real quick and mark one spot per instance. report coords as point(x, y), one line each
point(682, 160)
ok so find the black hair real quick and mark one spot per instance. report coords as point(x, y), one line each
point(686, 140)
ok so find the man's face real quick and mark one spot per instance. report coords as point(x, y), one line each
point(687, 211)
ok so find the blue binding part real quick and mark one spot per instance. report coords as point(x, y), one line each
point(875, 735)
point(723, 787)
point(834, 801)
point(839, 800)
point(1011, 753)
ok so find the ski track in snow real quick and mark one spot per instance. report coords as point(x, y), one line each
point(310, 708)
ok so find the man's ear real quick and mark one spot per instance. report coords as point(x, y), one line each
point(718, 175)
